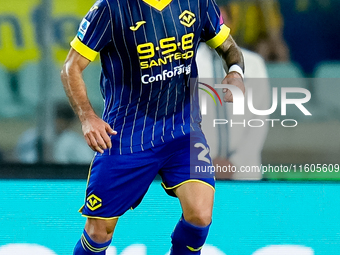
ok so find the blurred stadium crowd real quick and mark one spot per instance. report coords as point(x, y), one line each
point(298, 39)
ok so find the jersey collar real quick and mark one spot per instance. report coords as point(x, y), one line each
point(158, 5)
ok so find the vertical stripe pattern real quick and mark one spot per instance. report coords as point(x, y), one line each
point(148, 60)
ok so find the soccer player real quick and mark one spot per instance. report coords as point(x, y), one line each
point(151, 119)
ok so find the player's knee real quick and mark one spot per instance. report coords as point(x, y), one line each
point(99, 231)
point(99, 236)
point(201, 218)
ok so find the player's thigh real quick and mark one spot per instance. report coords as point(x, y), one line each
point(197, 201)
point(186, 155)
point(100, 230)
point(117, 183)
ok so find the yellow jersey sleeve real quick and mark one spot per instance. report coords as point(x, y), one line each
point(222, 35)
point(83, 50)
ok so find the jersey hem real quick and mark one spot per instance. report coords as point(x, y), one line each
point(118, 148)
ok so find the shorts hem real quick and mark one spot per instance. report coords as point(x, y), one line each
point(96, 217)
point(187, 181)
point(100, 218)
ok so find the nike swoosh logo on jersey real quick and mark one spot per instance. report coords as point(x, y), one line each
point(138, 25)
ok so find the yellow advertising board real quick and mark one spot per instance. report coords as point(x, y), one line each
point(19, 26)
point(67, 16)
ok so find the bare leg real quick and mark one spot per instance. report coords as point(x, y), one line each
point(197, 201)
point(100, 230)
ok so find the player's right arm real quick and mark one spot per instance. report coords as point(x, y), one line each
point(95, 130)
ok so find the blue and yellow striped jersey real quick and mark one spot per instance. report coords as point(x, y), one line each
point(147, 50)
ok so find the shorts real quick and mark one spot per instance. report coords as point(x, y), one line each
point(118, 183)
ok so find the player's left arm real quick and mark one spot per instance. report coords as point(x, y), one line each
point(232, 55)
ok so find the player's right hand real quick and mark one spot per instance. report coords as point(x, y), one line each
point(97, 133)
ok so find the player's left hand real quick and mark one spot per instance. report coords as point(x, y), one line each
point(232, 78)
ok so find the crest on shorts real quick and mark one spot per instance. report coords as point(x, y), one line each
point(93, 202)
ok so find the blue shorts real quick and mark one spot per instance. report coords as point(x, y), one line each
point(118, 183)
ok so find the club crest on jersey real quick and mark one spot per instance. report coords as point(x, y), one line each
point(84, 25)
point(93, 202)
point(187, 18)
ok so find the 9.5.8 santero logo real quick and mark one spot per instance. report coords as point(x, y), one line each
point(240, 101)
